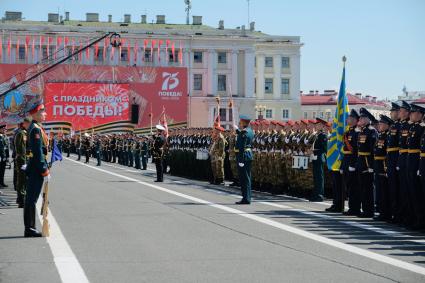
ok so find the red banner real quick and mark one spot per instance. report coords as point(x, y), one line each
point(86, 105)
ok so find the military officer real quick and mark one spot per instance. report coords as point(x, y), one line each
point(217, 155)
point(20, 143)
point(144, 153)
point(244, 157)
point(383, 196)
point(320, 147)
point(37, 167)
point(392, 159)
point(415, 210)
point(364, 165)
point(158, 152)
point(98, 149)
point(3, 154)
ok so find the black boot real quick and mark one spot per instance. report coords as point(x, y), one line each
point(29, 222)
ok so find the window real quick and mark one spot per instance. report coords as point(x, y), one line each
point(21, 53)
point(314, 115)
point(197, 82)
point(285, 114)
point(305, 115)
point(222, 57)
point(268, 62)
point(171, 58)
point(328, 116)
point(269, 113)
point(124, 55)
point(148, 57)
point(230, 115)
point(285, 86)
point(197, 57)
point(268, 85)
point(285, 62)
point(223, 114)
point(99, 57)
point(221, 83)
point(255, 85)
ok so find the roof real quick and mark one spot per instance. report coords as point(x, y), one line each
point(331, 99)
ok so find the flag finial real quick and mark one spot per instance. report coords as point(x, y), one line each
point(344, 59)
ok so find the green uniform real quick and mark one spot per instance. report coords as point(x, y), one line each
point(20, 143)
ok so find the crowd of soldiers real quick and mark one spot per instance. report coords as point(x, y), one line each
point(382, 171)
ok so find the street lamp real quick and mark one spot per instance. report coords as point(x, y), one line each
point(260, 109)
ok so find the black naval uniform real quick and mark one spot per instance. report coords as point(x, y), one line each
point(349, 174)
point(401, 214)
point(381, 179)
point(158, 152)
point(392, 173)
point(364, 167)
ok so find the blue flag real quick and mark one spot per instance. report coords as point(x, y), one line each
point(56, 153)
point(339, 126)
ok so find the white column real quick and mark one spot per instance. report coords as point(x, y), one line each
point(186, 58)
point(294, 81)
point(234, 80)
point(212, 77)
point(276, 76)
point(250, 73)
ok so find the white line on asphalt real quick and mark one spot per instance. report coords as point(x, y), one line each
point(330, 242)
point(315, 214)
point(66, 262)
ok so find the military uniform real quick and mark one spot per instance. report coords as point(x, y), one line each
point(3, 156)
point(157, 153)
point(20, 143)
point(217, 155)
point(319, 159)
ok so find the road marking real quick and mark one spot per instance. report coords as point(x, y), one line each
point(315, 214)
point(333, 243)
point(66, 262)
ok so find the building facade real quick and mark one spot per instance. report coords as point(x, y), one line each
point(259, 73)
point(322, 105)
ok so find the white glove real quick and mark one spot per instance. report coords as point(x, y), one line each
point(235, 127)
point(24, 167)
point(341, 171)
point(398, 168)
point(351, 169)
point(47, 178)
point(370, 170)
point(241, 165)
point(418, 173)
point(313, 157)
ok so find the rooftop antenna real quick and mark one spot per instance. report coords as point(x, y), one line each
point(188, 8)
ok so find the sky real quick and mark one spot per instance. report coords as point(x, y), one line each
point(384, 40)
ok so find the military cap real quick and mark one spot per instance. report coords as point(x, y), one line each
point(304, 121)
point(405, 105)
point(160, 127)
point(417, 108)
point(394, 106)
point(367, 114)
point(290, 123)
point(27, 119)
point(265, 122)
point(385, 119)
point(245, 118)
point(273, 122)
point(354, 114)
point(282, 124)
point(324, 122)
point(313, 121)
point(36, 107)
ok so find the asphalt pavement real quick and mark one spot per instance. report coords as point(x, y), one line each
point(114, 224)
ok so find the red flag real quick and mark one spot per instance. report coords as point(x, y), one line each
point(173, 51)
point(27, 42)
point(33, 48)
point(128, 51)
point(145, 43)
point(81, 53)
point(41, 47)
point(167, 43)
point(1, 48)
point(88, 51)
point(163, 122)
point(105, 44)
point(73, 47)
point(17, 49)
point(66, 41)
point(96, 50)
point(159, 50)
point(181, 53)
point(136, 51)
point(48, 46)
point(153, 44)
point(9, 47)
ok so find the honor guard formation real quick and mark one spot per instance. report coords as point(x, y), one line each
point(382, 172)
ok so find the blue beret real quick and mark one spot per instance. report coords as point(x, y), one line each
point(245, 117)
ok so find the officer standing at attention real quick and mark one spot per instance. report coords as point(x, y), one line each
point(158, 153)
point(37, 167)
point(144, 153)
point(217, 155)
point(320, 147)
point(244, 157)
point(20, 143)
point(364, 166)
point(3, 154)
point(98, 151)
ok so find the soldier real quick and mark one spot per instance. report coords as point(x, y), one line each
point(320, 146)
point(383, 196)
point(144, 153)
point(217, 155)
point(98, 148)
point(244, 157)
point(37, 167)
point(20, 143)
point(392, 158)
point(136, 153)
point(348, 171)
point(158, 152)
point(364, 165)
point(404, 113)
point(79, 147)
point(415, 210)
point(3, 154)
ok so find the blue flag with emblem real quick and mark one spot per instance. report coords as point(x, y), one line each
point(335, 142)
point(56, 153)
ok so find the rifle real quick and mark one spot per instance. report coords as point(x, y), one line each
point(44, 210)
